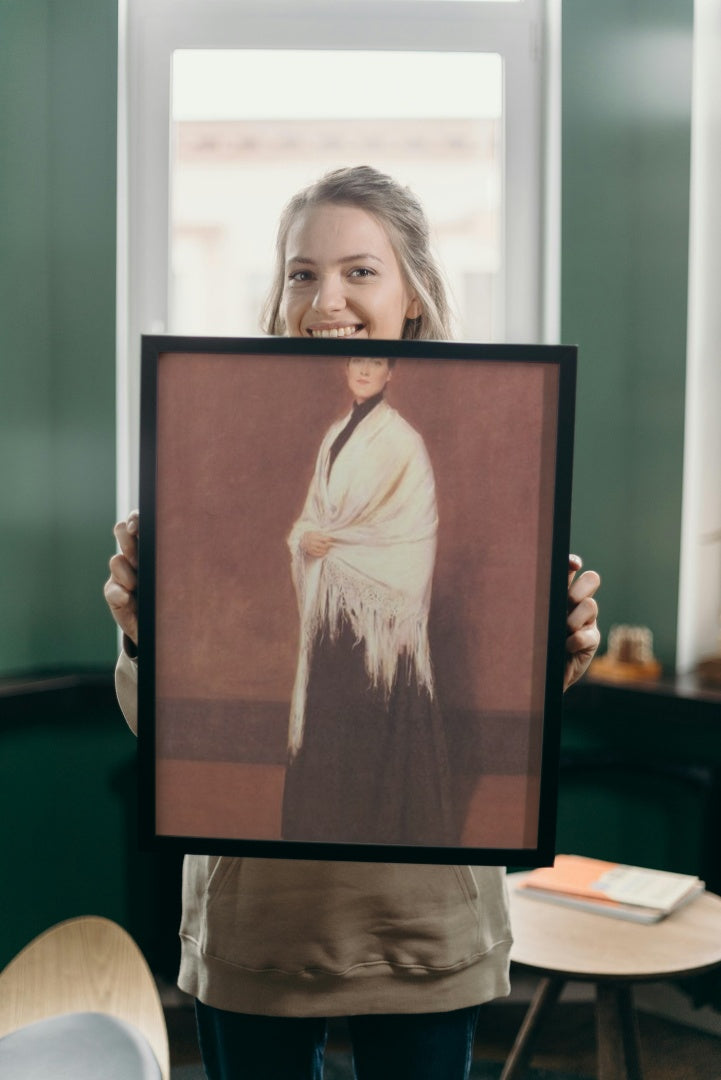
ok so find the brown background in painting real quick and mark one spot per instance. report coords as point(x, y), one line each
point(237, 442)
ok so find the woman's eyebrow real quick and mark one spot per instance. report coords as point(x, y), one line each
point(361, 257)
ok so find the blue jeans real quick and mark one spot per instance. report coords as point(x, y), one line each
point(417, 1046)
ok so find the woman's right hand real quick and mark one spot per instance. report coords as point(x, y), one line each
point(122, 585)
point(316, 544)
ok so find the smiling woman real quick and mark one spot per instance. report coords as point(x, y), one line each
point(353, 257)
point(332, 291)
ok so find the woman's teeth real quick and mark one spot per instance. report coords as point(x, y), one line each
point(337, 331)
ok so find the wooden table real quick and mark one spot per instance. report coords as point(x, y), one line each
point(563, 944)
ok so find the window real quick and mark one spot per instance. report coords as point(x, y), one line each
point(448, 95)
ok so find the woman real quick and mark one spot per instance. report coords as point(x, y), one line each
point(271, 948)
point(365, 730)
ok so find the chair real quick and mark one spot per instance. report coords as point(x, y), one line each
point(79, 1002)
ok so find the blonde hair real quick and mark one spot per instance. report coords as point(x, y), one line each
point(403, 217)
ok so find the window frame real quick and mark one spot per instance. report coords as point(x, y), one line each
point(526, 34)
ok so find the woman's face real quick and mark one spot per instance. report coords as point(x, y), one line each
point(366, 377)
point(342, 277)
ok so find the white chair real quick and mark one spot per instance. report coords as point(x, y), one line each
point(80, 1002)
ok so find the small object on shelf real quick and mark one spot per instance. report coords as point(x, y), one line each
point(709, 670)
point(629, 657)
point(634, 893)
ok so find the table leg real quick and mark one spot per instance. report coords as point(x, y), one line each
point(545, 997)
point(617, 1033)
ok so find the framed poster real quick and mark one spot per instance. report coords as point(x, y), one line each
point(352, 597)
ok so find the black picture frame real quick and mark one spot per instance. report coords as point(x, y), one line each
point(230, 428)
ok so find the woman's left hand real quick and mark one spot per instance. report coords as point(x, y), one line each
point(582, 633)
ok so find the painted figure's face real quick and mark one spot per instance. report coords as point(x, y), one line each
point(367, 377)
point(342, 277)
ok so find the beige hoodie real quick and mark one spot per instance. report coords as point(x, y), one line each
point(285, 937)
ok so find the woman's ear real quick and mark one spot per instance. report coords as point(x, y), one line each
point(415, 309)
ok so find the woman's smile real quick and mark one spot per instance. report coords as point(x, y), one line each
point(334, 331)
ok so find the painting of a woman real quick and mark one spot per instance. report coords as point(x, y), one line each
point(367, 758)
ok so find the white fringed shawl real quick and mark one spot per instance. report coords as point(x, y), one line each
point(379, 507)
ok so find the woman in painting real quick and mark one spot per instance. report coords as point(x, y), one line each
point(273, 947)
point(366, 745)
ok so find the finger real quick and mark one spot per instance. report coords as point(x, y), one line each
point(585, 585)
point(575, 562)
point(583, 641)
point(123, 608)
point(123, 572)
point(118, 598)
point(127, 541)
point(582, 614)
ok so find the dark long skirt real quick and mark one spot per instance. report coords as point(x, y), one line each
point(372, 770)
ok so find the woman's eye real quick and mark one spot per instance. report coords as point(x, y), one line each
point(299, 276)
point(362, 272)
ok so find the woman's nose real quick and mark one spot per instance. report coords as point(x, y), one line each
point(329, 295)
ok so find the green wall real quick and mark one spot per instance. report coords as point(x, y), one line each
point(66, 758)
point(625, 202)
point(58, 72)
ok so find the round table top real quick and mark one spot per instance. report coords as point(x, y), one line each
point(559, 940)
